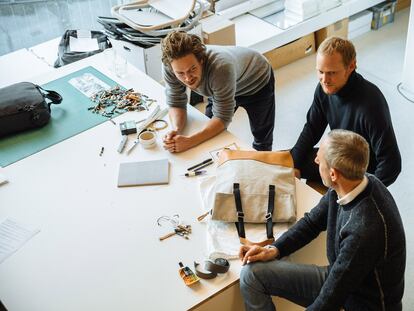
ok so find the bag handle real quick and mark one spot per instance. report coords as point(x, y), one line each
point(54, 97)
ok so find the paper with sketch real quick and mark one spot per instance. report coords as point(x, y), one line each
point(215, 154)
point(83, 44)
point(13, 236)
point(88, 84)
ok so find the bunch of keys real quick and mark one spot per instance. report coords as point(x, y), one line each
point(181, 230)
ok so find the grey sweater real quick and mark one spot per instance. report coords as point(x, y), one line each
point(365, 247)
point(228, 71)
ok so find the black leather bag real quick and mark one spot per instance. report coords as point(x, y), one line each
point(25, 106)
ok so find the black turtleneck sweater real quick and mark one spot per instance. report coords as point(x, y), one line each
point(365, 247)
point(359, 107)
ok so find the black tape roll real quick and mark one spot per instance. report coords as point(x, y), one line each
point(220, 265)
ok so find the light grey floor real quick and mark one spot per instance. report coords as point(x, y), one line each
point(380, 58)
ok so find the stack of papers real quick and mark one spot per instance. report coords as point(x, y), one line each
point(301, 10)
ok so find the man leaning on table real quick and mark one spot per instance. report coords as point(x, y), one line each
point(229, 76)
point(343, 99)
point(365, 242)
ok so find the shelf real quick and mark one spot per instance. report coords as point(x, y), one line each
point(263, 37)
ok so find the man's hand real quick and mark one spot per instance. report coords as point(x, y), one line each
point(169, 142)
point(297, 173)
point(183, 143)
point(251, 253)
point(177, 143)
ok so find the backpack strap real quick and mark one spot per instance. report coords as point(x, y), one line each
point(270, 209)
point(240, 215)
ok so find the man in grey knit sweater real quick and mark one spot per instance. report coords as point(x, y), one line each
point(229, 76)
point(365, 242)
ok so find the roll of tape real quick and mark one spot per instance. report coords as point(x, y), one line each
point(212, 268)
point(148, 139)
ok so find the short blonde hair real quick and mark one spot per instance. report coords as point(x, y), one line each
point(348, 152)
point(342, 46)
point(178, 44)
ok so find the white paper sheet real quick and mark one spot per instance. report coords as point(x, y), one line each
point(13, 235)
point(88, 84)
point(3, 177)
point(83, 44)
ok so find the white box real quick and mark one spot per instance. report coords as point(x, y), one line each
point(359, 24)
point(148, 60)
point(359, 20)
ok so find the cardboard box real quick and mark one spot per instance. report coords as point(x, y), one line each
point(383, 14)
point(402, 4)
point(338, 29)
point(290, 52)
point(218, 30)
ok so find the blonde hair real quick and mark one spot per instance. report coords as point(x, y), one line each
point(348, 152)
point(178, 44)
point(341, 46)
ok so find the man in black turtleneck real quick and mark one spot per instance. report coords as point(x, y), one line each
point(345, 100)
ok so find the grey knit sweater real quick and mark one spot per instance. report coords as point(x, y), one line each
point(365, 247)
point(228, 71)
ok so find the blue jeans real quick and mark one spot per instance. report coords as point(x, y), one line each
point(298, 283)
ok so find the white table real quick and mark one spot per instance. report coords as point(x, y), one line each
point(98, 248)
point(47, 51)
point(21, 65)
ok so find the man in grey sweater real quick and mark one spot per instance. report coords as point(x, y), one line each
point(229, 76)
point(365, 242)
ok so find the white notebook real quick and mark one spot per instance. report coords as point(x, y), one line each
point(154, 172)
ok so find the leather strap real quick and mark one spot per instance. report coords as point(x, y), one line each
point(245, 241)
point(240, 215)
point(54, 97)
point(282, 158)
point(270, 210)
point(219, 265)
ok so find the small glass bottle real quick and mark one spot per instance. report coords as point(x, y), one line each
point(187, 275)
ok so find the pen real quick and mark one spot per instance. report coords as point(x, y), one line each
point(194, 173)
point(204, 165)
point(199, 164)
point(133, 146)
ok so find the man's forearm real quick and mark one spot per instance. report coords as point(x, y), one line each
point(178, 118)
point(214, 127)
